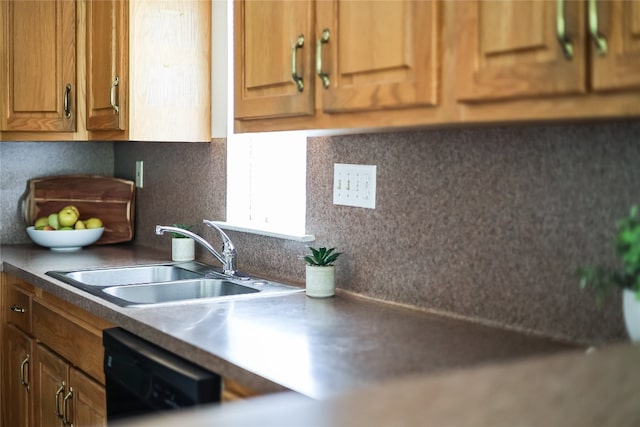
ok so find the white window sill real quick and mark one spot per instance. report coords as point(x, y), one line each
point(249, 229)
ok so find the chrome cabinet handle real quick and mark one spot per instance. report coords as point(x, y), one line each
point(67, 102)
point(561, 31)
point(17, 309)
point(294, 63)
point(113, 95)
point(57, 404)
point(323, 76)
point(65, 406)
point(598, 39)
point(23, 366)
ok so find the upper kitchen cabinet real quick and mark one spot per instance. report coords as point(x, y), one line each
point(38, 72)
point(334, 64)
point(521, 60)
point(149, 70)
point(274, 45)
point(615, 46)
point(512, 49)
point(107, 65)
point(377, 55)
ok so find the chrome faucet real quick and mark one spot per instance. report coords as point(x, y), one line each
point(229, 253)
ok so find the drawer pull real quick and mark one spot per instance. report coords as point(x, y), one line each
point(65, 403)
point(112, 95)
point(23, 376)
point(17, 309)
point(561, 31)
point(324, 77)
point(67, 101)
point(294, 63)
point(598, 40)
point(57, 404)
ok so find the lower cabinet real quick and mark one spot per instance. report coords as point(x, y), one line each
point(66, 395)
point(51, 361)
point(17, 379)
point(51, 372)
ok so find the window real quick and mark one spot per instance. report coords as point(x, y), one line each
point(266, 183)
point(266, 172)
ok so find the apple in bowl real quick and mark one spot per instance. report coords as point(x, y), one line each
point(65, 231)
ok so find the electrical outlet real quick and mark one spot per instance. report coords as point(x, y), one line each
point(139, 173)
point(354, 185)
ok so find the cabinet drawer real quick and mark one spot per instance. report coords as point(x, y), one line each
point(19, 308)
point(78, 343)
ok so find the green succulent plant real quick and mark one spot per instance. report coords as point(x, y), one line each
point(322, 257)
point(626, 243)
point(184, 227)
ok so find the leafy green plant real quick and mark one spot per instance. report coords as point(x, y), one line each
point(626, 243)
point(182, 226)
point(322, 257)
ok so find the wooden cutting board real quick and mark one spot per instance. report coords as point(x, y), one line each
point(110, 199)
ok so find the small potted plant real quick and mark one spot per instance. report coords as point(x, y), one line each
point(320, 272)
point(182, 247)
point(626, 243)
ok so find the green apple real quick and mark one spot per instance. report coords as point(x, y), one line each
point(93, 223)
point(80, 225)
point(74, 208)
point(41, 222)
point(67, 217)
point(66, 228)
point(53, 221)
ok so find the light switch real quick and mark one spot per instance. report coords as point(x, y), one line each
point(354, 185)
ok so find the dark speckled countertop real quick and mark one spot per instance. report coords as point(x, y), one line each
point(315, 347)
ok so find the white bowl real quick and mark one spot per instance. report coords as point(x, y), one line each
point(65, 240)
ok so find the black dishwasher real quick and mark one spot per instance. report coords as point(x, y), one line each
point(142, 378)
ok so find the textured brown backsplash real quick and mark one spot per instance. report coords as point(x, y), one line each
point(486, 223)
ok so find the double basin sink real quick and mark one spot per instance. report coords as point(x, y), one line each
point(141, 285)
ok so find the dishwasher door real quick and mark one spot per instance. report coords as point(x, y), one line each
point(142, 378)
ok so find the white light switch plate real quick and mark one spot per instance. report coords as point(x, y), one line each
point(354, 185)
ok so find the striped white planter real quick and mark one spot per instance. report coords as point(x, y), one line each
point(182, 249)
point(320, 281)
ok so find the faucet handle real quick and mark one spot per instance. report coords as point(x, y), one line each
point(229, 252)
point(227, 244)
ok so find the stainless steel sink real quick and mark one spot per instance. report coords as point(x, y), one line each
point(130, 275)
point(178, 291)
point(140, 285)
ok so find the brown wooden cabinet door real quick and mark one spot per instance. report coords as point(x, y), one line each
point(510, 49)
point(618, 22)
point(265, 35)
point(18, 378)
point(379, 54)
point(40, 81)
point(107, 73)
point(89, 401)
point(51, 384)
